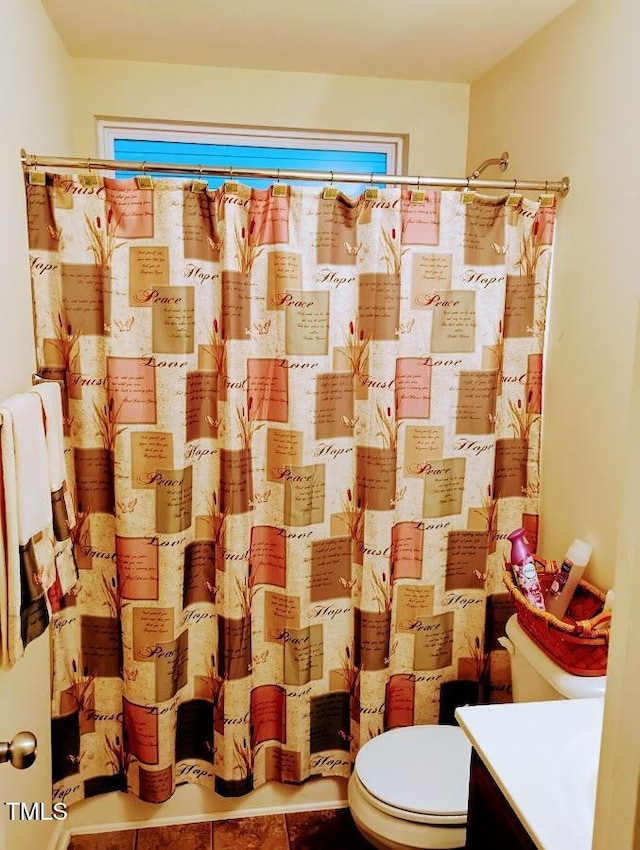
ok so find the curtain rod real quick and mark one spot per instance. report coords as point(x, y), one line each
point(560, 187)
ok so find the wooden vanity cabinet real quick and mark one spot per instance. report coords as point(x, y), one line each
point(491, 822)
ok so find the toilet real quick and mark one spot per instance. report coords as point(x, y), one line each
point(409, 787)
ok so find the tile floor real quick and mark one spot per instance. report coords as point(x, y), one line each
point(330, 829)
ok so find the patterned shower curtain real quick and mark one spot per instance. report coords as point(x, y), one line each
point(299, 427)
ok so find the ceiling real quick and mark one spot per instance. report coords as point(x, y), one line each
point(436, 40)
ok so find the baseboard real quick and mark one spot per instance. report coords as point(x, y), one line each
point(61, 840)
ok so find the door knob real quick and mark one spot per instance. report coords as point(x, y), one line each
point(21, 751)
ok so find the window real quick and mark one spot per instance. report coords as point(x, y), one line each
point(252, 148)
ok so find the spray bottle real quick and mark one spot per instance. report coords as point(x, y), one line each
point(524, 569)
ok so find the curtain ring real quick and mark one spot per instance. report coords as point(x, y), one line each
point(88, 164)
point(144, 167)
point(200, 170)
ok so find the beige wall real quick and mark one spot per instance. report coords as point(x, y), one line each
point(566, 102)
point(34, 104)
point(563, 104)
point(34, 113)
point(434, 114)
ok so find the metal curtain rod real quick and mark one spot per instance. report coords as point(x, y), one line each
point(560, 187)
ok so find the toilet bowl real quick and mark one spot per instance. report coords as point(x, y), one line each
point(409, 787)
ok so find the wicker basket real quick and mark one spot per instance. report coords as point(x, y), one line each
point(579, 643)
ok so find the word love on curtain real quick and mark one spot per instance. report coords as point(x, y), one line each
point(299, 427)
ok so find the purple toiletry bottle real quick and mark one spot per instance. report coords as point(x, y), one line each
point(524, 569)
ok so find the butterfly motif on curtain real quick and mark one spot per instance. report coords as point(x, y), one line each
point(499, 249)
point(350, 423)
point(400, 494)
point(213, 423)
point(480, 576)
point(532, 490)
point(348, 584)
point(214, 246)
point(126, 325)
point(405, 327)
point(54, 232)
point(131, 675)
point(211, 590)
point(263, 328)
point(260, 498)
point(128, 507)
point(352, 250)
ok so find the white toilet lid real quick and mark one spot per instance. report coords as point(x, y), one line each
point(419, 769)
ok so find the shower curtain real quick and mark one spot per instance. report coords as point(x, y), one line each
point(299, 427)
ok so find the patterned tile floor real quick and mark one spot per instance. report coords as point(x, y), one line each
point(328, 829)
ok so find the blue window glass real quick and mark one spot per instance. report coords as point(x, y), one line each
point(253, 156)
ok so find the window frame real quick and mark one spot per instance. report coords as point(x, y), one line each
point(109, 129)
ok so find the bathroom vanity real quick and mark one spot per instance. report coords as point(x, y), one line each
point(533, 774)
point(491, 822)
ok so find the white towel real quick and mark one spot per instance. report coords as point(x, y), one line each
point(4, 594)
point(51, 398)
point(23, 414)
point(10, 581)
point(61, 503)
point(32, 465)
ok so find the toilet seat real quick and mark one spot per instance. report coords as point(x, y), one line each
point(425, 818)
point(417, 773)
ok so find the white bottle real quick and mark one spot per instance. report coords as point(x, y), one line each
point(564, 584)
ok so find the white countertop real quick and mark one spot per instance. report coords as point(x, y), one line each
point(544, 758)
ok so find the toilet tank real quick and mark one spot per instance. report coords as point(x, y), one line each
point(535, 677)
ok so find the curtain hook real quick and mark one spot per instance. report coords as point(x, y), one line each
point(515, 186)
point(144, 167)
point(230, 171)
point(278, 176)
point(419, 179)
point(546, 183)
point(88, 164)
point(468, 179)
point(331, 173)
point(371, 178)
